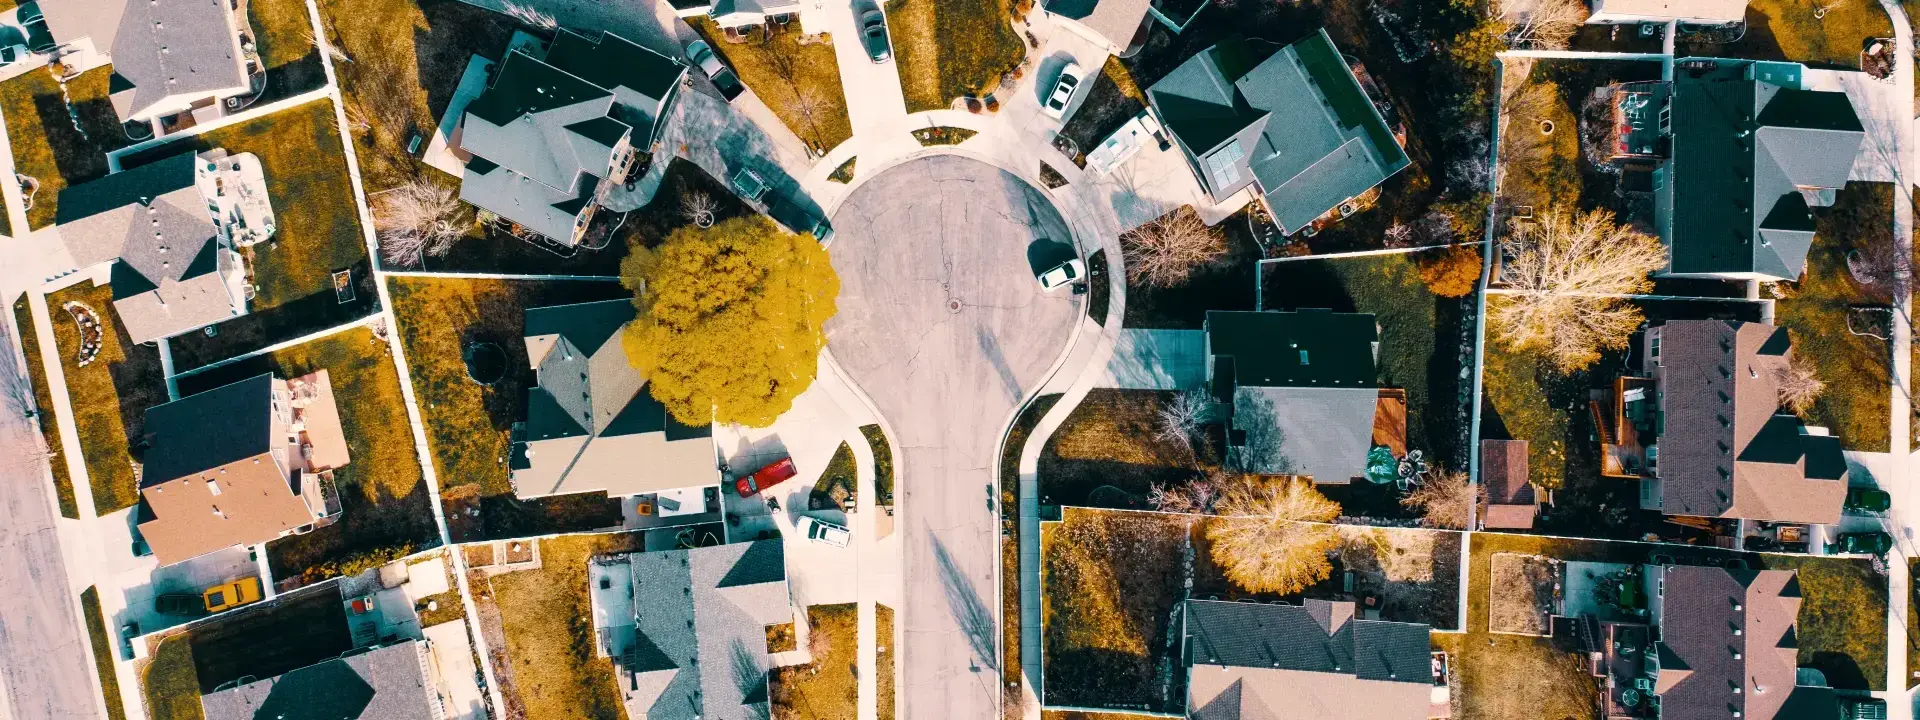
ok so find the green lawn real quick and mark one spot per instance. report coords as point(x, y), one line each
point(172, 690)
point(947, 49)
point(549, 635)
point(407, 58)
point(103, 653)
point(47, 146)
point(1855, 367)
point(383, 495)
point(883, 662)
point(801, 83)
point(43, 401)
point(826, 689)
point(467, 425)
point(110, 396)
point(284, 36)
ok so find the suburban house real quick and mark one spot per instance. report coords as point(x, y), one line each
point(1291, 125)
point(1251, 661)
point(170, 229)
point(1301, 392)
point(1714, 386)
point(592, 424)
point(734, 17)
point(687, 629)
point(240, 464)
point(553, 134)
point(1688, 12)
point(384, 683)
point(1510, 502)
point(1735, 154)
point(169, 57)
point(1725, 648)
point(1119, 25)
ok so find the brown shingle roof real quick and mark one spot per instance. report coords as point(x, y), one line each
point(1727, 643)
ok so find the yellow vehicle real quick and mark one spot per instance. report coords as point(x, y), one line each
point(232, 595)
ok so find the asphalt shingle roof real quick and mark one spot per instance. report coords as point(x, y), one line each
point(1304, 348)
point(1307, 659)
point(385, 683)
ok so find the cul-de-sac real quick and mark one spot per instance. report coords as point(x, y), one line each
point(958, 360)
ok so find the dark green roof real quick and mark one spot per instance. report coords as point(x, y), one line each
point(1342, 92)
point(1306, 348)
point(525, 86)
point(137, 185)
point(603, 130)
point(586, 325)
point(644, 414)
point(1810, 109)
point(547, 420)
point(207, 430)
point(614, 61)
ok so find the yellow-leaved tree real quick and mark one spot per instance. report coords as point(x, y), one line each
point(731, 319)
point(1271, 535)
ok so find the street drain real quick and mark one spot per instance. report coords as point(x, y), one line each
point(953, 306)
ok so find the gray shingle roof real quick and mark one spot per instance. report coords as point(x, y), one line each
point(1746, 140)
point(1732, 452)
point(1115, 20)
point(700, 649)
point(386, 683)
point(1295, 120)
point(160, 48)
point(1253, 661)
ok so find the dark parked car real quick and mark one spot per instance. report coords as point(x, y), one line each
point(181, 604)
point(702, 56)
point(1869, 542)
point(873, 34)
point(1868, 499)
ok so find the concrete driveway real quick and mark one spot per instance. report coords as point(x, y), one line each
point(943, 326)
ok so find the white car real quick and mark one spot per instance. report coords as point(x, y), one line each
point(1064, 274)
point(822, 531)
point(1056, 104)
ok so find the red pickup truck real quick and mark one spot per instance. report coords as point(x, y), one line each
point(766, 477)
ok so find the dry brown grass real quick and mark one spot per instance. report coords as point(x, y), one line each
point(1521, 594)
point(1111, 578)
point(110, 396)
point(826, 689)
point(1416, 571)
point(948, 49)
point(549, 631)
point(800, 83)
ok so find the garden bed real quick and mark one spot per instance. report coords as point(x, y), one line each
point(882, 464)
point(949, 49)
point(104, 653)
point(467, 425)
point(385, 506)
point(109, 396)
point(1011, 672)
point(942, 135)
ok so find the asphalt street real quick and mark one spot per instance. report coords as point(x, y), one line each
point(44, 669)
point(942, 324)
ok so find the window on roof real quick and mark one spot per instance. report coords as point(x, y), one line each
point(1303, 357)
point(1223, 166)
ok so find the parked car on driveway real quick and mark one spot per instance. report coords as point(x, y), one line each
point(181, 604)
point(766, 477)
point(822, 531)
point(873, 35)
point(1868, 542)
point(702, 56)
point(1868, 499)
point(232, 595)
point(1056, 105)
point(1065, 273)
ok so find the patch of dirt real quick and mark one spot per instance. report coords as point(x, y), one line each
point(1522, 594)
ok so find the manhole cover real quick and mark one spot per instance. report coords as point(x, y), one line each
point(953, 306)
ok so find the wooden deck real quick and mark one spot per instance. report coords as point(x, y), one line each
point(1390, 421)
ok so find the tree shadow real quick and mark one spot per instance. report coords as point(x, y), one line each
point(255, 330)
point(1842, 671)
point(969, 611)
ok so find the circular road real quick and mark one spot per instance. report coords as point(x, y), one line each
point(943, 325)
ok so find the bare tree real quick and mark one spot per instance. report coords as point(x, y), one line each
point(532, 17)
point(698, 207)
point(333, 49)
point(1798, 383)
point(1270, 537)
point(1181, 418)
point(1444, 499)
point(1541, 24)
point(1567, 275)
point(1165, 251)
point(1197, 496)
point(415, 221)
point(1399, 235)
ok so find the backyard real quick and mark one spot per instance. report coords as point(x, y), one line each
point(798, 79)
point(110, 396)
point(46, 144)
point(406, 60)
point(949, 49)
point(1816, 309)
point(826, 689)
point(1421, 335)
point(549, 650)
point(1113, 585)
point(46, 415)
point(284, 36)
point(1788, 30)
point(385, 510)
point(318, 234)
point(1224, 283)
point(467, 424)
